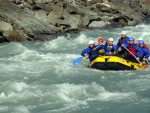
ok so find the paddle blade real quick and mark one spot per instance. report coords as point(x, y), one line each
point(77, 61)
point(83, 59)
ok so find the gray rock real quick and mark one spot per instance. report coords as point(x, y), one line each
point(26, 19)
point(131, 23)
point(47, 7)
point(94, 1)
point(41, 14)
point(84, 20)
point(42, 1)
point(15, 36)
point(146, 7)
point(98, 24)
point(125, 10)
point(73, 21)
point(30, 16)
point(106, 18)
point(5, 26)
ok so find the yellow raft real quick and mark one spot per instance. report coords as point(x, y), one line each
point(115, 63)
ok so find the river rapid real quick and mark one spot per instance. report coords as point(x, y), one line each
point(38, 77)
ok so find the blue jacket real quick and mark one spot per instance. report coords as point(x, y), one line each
point(145, 52)
point(105, 45)
point(108, 49)
point(98, 47)
point(121, 41)
point(92, 52)
point(137, 54)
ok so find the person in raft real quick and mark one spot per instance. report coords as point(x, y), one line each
point(92, 51)
point(122, 42)
point(136, 51)
point(145, 45)
point(145, 51)
point(100, 43)
point(111, 48)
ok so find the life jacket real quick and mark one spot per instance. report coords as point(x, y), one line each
point(132, 50)
point(93, 51)
point(102, 51)
point(145, 45)
point(111, 49)
point(122, 41)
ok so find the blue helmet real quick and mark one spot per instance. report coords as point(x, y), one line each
point(131, 38)
point(141, 42)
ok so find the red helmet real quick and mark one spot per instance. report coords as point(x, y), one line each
point(100, 39)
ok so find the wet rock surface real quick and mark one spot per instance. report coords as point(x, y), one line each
point(26, 20)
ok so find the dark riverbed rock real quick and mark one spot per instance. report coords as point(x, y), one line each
point(3, 39)
point(15, 36)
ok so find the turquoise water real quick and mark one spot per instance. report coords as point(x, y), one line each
point(38, 77)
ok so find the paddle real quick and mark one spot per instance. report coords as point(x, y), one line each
point(132, 54)
point(148, 62)
point(78, 60)
point(81, 58)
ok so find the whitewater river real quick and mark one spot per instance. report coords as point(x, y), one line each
point(38, 77)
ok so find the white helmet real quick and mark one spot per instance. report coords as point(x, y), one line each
point(110, 39)
point(123, 32)
point(140, 38)
point(91, 42)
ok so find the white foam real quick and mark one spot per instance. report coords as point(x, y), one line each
point(139, 31)
point(29, 63)
point(57, 43)
point(21, 109)
point(77, 96)
point(2, 95)
point(16, 86)
point(71, 93)
point(13, 48)
point(116, 96)
point(26, 55)
point(3, 109)
point(81, 39)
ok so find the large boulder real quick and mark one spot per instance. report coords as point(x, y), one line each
point(47, 7)
point(54, 17)
point(26, 19)
point(65, 19)
point(5, 26)
point(15, 36)
point(41, 14)
point(124, 11)
point(99, 24)
point(85, 20)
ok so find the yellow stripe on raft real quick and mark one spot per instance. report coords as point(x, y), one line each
point(116, 59)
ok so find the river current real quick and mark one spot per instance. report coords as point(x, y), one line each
point(38, 77)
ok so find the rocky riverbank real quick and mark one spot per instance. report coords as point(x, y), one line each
point(22, 20)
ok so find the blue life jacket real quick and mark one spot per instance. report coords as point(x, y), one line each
point(145, 52)
point(121, 41)
point(92, 52)
point(109, 49)
point(135, 50)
